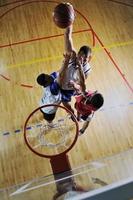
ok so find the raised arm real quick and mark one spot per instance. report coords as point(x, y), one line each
point(86, 123)
point(62, 71)
point(68, 39)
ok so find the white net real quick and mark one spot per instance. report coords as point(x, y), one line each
point(60, 131)
point(51, 138)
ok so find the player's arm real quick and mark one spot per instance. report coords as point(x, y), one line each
point(68, 39)
point(82, 78)
point(84, 127)
point(62, 71)
point(86, 124)
point(78, 116)
point(76, 86)
point(70, 53)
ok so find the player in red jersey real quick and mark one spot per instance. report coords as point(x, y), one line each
point(86, 106)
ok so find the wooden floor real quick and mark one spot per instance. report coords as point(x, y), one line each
point(30, 44)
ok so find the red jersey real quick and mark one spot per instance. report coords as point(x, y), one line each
point(81, 107)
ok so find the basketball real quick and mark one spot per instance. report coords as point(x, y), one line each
point(63, 15)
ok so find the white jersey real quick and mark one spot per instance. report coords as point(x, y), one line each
point(72, 73)
point(49, 98)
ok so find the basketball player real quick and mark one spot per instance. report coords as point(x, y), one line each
point(52, 92)
point(86, 106)
point(51, 95)
point(77, 69)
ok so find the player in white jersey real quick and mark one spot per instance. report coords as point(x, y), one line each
point(77, 69)
point(51, 91)
point(51, 95)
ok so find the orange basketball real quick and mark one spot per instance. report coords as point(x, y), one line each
point(63, 15)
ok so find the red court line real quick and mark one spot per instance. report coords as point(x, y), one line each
point(36, 39)
point(8, 79)
point(108, 53)
point(14, 2)
point(94, 35)
point(24, 85)
point(90, 27)
point(113, 61)
point(41, 38)
point(119, 2)
point(93, 38)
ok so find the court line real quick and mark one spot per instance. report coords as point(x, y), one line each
point(38, 39)
point(19, 130)
point(6, 78)
point(23, 189)
point(94, 164)
point(14, 2)
point(94, 36)
point(95, 49)
point(26, 41)
point(108, 54)
point(118, 2)
point(114, 45)
point(18, 84)
point(27, 86)
point(39, 60)
point(28, 2)
point(115, 64)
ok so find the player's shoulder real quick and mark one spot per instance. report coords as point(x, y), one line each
point(89, 92)
point(54, 75)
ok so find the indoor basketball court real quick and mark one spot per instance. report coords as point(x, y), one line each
point(30, 44)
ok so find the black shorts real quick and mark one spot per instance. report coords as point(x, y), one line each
point(66, 95)
point(48, 117)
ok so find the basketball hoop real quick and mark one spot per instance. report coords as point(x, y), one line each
point(48, 140)
point(59, 128)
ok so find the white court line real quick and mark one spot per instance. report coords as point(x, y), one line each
point(22, 189)
point(96, 163)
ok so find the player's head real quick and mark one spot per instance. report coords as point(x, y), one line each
point(44, 80)
point(84, 53)
point(96, 100)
